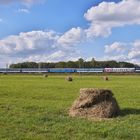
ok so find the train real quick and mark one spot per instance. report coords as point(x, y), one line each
point(69, 70)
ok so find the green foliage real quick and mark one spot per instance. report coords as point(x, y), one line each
point(36, 108)
point(75, 64)
point(25, 65)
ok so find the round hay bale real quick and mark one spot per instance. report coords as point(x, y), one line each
point(69, 78)
point(95, 103)
point(45, 75)
point(105, 78)
point(5, 73)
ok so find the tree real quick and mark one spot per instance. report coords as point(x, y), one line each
point(74, 64)
point(60, 65)
point(93, 62)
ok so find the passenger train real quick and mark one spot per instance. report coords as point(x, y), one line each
point(70, 70)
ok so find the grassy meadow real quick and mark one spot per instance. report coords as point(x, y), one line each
point(36, 108)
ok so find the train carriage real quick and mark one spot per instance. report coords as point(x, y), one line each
point(61, 70)
point(119, 70)
point(137, 69)
point(90, 70)
point(35, 70)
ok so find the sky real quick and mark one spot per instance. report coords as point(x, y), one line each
point(62, 30)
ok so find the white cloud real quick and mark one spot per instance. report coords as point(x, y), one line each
point(71, 38)
point(108, 15)
point(41, 45)
point(53, 57)
point(129, 52)
point(120, 57)
point(52, 46)
point(23, 11)
point(135, 50)
point(97, 30)
point(116, 47)
point(26, 43)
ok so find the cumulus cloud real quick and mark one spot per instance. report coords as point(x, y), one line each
point(135, 50)
point(120, 57)
point(108, 15)
point(25, 43)
point(52, 46)
point(42, 45)
point(72, 37)
point(116, 47)
point(123, 51)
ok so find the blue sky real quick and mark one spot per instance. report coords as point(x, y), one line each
point(61, 30)
point(58, 15)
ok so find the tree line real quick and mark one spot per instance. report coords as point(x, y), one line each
point(80, 63)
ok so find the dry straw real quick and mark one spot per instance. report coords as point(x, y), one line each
point(95, 103)
point(105, 78)
point(68, 78)
point(45, 75)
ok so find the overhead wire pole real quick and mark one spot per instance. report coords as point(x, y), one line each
point(79, 67)
point(39, 67)
point(6, 67)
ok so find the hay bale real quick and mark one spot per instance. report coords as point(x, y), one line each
point(105, 78)
point(95, 103)
point(68, 78)
point(45, 75)
point(4, 73)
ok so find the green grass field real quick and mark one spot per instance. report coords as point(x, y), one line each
point(36, 108)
